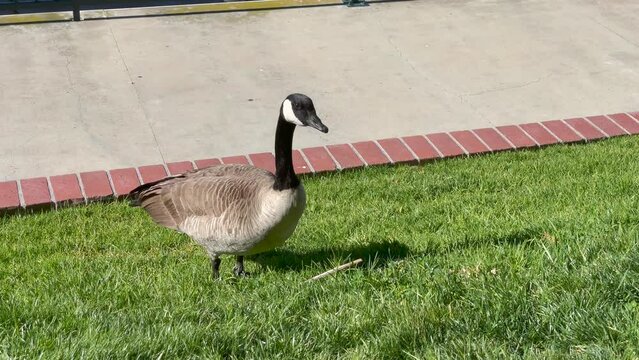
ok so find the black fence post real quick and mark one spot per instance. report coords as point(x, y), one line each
point(353, 3)
point(76, 10)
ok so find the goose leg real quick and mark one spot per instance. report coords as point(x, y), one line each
point(215, 264)
point(238, 270)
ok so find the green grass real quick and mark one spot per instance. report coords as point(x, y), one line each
point(531, 254)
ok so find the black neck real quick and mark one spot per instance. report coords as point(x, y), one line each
point(285, 177)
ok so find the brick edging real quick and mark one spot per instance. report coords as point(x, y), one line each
point(54, 191)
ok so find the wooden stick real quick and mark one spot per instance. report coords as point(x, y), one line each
point(334, 270)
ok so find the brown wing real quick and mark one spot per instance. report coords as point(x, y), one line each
point(207, 192)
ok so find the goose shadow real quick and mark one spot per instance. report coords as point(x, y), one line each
point(378, 254)
point(374, 254)
point(517, 237)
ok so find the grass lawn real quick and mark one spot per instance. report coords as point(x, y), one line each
point(530, 254)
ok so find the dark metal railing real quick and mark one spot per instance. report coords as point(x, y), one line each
point(24, 7)
point(8, 7)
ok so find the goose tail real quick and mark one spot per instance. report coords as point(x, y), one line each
point(137, 195)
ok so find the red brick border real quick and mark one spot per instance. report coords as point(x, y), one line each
point(54, 191)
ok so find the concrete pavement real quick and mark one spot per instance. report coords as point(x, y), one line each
point(127, 92)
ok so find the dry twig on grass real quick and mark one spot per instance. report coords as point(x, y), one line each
point(339, 268)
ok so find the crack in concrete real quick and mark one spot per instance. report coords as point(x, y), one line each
point(404, 58)
point(444, 90)
point(506, 87)
point(69, 79)
point(137, 94)
point(614, 32)
point(72, 84)
point(462, 97)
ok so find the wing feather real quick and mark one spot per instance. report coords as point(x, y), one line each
point(220, 197)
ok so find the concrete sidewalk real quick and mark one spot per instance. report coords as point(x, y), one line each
point(119, 93)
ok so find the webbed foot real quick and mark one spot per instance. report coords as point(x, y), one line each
point(238, 270)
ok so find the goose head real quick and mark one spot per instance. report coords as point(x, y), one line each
point(298, 109)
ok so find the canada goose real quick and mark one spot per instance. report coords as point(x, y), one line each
point(236, 209)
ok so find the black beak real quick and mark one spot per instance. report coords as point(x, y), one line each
point(316, 123)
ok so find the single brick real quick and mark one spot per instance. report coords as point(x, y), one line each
point(516, 136)
point(201, 164)
point(299, 164)
point(493, 139)
point(397, 151)
point(177, 168)
point(371, 153)
point(445, 144)
point(469, 141)
point(66, 188)
point(345, 156)
point(585, 128)
point(626, 122)
point(319, 158)
point(235, 160)
point(124, 180)
point(35, 192)
point(562, 131)
point(96, 184)
point(542, 136)
point(9, 198)
point(151, 173)
point(606, 125)
point(421, 147)
point(265, 161)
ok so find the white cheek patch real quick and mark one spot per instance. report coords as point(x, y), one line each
point(289, 115)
